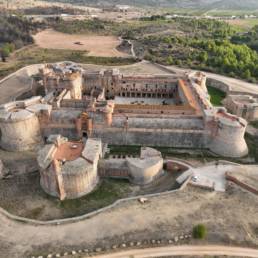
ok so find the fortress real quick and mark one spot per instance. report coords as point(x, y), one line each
point(143, 110)
point(105, 105)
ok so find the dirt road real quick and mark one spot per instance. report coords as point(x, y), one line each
point(183, 251)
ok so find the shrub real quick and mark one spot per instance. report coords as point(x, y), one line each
point(199, 231)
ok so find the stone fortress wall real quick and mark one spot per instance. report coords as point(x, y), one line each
point(140, 171)
point(237, 103)
point(149, 110)
point(226, 131)
point(69, 170)
point(82, 110)
point(245, 106)
point(20, 124)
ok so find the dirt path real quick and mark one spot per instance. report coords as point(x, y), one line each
point(103, 46)
point(184, 250)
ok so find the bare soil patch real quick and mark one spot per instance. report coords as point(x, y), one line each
point(103, 46)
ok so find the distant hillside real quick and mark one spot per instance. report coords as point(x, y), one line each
point(235, 5)
point(195, 4)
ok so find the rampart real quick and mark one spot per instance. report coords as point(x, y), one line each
point(149, 110)
point(139, 171)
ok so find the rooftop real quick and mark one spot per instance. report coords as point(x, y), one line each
point(69, 151)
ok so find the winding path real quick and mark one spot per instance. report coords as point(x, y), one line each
point(184, 250)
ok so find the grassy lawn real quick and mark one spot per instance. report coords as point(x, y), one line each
point(216, 96)
point(124, 150)
point(134, 150)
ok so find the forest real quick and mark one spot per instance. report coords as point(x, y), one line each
point(204, 44)
point(15, 33)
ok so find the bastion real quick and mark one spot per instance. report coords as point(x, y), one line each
point(69, 169)
point(245, 106)
point(141, 171)
point(20, 124)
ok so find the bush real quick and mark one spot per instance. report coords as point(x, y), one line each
point(199, 231)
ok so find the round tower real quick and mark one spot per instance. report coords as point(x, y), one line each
point(227, 138)
point(68, 170)
point(19, 128)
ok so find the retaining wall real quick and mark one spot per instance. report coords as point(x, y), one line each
point(83, 217)
point(241, 184)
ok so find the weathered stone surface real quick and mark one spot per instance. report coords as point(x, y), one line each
point(143, 171)
point(70, 174)
point(2, 172)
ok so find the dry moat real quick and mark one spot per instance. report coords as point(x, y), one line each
point(23, 196)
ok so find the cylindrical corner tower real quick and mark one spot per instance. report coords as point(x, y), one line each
point(19, 129)
point(229, 141)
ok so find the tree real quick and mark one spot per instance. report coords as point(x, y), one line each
point(5, 52)
point(199, 231)
point(203, 57)
point(170, 60)
point(247, 74)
